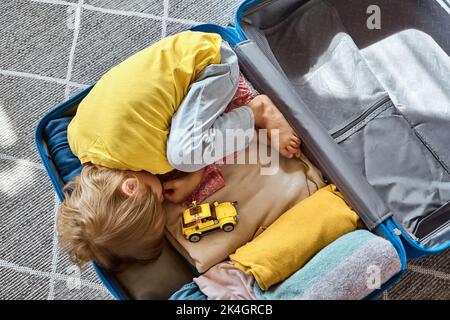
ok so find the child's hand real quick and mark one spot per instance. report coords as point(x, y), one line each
point(180, 189)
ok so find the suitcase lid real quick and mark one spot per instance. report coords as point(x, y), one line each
point(363, 199)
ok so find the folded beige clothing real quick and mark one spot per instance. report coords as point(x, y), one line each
point(262, 199)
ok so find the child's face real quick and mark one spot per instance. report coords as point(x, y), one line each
point(153, 182)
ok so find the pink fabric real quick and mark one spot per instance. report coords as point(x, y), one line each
point(213, 180)
point(225, 282)
point(242, 96)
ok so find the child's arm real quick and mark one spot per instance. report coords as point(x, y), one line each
point(180, 189)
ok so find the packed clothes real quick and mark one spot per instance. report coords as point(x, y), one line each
point(350, 268)
point(296, 236)
point(262, 199)
point(225, 282)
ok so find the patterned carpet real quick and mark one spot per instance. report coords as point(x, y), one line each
point(51, 49)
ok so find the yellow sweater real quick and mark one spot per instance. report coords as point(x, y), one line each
point(124, 122)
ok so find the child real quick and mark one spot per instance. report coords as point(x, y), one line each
point(112, 212)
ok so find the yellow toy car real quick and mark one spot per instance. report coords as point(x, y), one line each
point(201, 218)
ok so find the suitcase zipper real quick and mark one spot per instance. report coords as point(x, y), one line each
point(361, 117)
point(257, 7)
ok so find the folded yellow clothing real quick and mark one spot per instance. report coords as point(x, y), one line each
point(295, 237)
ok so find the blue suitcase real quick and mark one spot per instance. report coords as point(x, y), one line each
point(390, 162)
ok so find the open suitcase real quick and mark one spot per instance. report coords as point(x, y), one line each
point(385, 141)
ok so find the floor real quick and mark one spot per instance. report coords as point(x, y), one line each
point(50, 50)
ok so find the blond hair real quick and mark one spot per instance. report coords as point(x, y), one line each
point(98, 222)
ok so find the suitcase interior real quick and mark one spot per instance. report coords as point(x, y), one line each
point(415, 151)
point(415, 217)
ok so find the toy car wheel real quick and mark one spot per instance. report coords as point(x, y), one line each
point(194, 238)
point(228, 227)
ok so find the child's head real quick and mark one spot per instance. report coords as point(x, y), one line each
point(111, 217)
